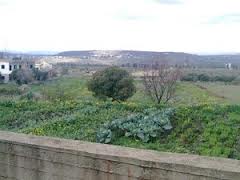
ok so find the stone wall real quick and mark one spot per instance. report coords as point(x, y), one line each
point(24, 157)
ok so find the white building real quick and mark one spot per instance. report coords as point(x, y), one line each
point(43, 65)
point(5, 70)
point(228, 66)
point(7, 66)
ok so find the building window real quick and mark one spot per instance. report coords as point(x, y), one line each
point(15, 67)
point(3, 66)
point(31, 66)
point(20, 66)
point(10, 67)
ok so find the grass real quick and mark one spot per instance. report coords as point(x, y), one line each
point(230, 93)
point(213, 71)
point(70, 111)
point(190, 94)
point(187, 93)
point(210, 130)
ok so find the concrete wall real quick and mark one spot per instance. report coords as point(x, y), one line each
point(24, 157)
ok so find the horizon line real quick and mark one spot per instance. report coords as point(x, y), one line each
point(60, 51)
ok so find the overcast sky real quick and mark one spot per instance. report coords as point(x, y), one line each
point(195, 26)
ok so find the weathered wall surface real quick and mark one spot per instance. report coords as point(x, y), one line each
point(24, 157)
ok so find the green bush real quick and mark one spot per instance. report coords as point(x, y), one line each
point(206, 78)
point(145, 126)
point(112, 82)
point(190, 77)
point(40, 75)
point(224, 78)
point(236, 81)
point(22, 76)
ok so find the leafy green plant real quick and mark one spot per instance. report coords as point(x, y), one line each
point(144, 126)
point(207, 130)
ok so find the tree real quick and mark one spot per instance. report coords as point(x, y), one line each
point(112, 82)
point(22, 76)
point(40, 75)
point(160, 83)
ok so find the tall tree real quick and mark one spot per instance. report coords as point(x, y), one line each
point(160, 82)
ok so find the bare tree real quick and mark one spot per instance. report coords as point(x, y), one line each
point(160, 82)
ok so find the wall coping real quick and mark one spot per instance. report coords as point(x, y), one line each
point(144, 158)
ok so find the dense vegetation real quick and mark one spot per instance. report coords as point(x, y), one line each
point(23, 76)
point(112, 82)
point(146, 126)
point(208, 78)
point(194, 122)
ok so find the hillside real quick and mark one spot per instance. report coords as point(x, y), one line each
point(140, 57)
point(132, 58)
point(149, 57)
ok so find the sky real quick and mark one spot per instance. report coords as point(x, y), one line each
point(193, 26)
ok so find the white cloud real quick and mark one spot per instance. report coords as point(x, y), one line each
point(190, 25)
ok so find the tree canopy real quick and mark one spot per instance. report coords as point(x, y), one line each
point(112, 82)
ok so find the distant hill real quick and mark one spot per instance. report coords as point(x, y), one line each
point(124, 57)
point(25, 55)
point(149, 57)
point(132, 58)
point(76, 53)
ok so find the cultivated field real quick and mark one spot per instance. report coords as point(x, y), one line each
point(63, 107)
point(230, 93)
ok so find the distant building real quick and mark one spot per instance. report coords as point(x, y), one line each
point(228, 66)
point(8, 66)
point(43, 65)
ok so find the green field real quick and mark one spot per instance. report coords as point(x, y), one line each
point(203, 123)
point(230, 93)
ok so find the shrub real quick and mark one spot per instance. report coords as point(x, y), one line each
point(236, 81)
point(206, 78)
point(22, 76)
point(147, 126)
point(190, 77)
point(224, 78)
point(40, 75)
point(64, 71)
point(112, 82)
